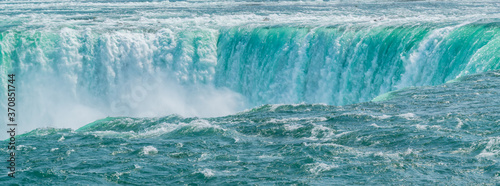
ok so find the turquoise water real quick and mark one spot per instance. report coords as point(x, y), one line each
point(239, 92)
point(426, 135)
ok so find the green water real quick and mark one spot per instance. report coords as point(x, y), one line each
point(252, 92)
point(426, 135)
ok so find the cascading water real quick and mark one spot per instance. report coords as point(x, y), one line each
point(252, 92)
point(345, 65)
point(78, 76)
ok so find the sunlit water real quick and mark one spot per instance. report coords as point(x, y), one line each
point(357, 92)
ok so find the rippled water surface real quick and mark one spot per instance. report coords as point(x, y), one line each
point(253, 92)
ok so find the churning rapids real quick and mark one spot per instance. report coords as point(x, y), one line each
point(239, 92)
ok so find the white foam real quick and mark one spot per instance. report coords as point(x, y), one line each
point(204, 156)
point(316, 168)
point(160, 129)
point(383, 116)
point(408, 116)
point(459, 124)
point(492, 148)
point(411, 151)
point(207, 172)
point(421, 127)
point(61, 139)
point(149, 150)
point(326, 132)
point(291, 127)
point(387, 155)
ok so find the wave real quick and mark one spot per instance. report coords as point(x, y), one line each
point(419, 129)
point(474, 94)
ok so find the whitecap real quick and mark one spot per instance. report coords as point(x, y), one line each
point(149, 150)
point(492, 148)
point(61, 139)
point(408, 116)
point(316, 168)
point(207, 172)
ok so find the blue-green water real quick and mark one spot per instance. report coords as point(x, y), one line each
point(239, 92)
point(446, 134)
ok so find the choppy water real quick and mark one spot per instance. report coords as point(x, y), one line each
point(427, 135)
point(357, 92)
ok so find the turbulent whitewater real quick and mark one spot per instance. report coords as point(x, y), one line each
point(254, 92)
